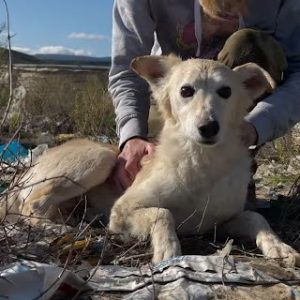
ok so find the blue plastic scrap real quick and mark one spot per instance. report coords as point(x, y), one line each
point(12, 152)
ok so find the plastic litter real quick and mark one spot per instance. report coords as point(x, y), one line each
point(12, 152)
point(15, 154)
point(185, 277)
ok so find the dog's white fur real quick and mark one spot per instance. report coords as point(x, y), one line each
point(193, 181)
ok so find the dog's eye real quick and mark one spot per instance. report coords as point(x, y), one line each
point(224, 92)
point(187, 91)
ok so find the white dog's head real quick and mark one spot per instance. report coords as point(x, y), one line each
point(204, 98)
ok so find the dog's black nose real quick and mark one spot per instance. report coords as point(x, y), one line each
point(210, 129)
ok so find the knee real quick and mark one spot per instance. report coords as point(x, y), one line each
point(247, 35)
point(250, 45)
point(243, 46)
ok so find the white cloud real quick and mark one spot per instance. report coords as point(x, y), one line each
point(53, 50)
point(87, 36)
point(24, 50)
point(62, 50)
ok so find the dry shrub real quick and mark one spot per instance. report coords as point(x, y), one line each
point(285, 148)
point(50, 98)
point(4, 84)
point(71, 103)
point(14, 122)
point(93, 112)
point(4, 96)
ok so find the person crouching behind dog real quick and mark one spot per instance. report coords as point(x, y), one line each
point(231, 31)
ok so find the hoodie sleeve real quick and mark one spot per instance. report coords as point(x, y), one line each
point(133, 35)
point(276, 114)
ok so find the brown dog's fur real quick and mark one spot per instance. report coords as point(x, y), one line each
point(215, 8)
point(193, 182)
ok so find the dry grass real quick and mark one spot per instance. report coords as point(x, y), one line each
point(64, 105)
point(281, 159)
point(4, 84)
point(50, 98)
point(4, 94)
point(93, 112)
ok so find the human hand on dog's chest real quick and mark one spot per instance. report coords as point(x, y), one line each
point(129, 162)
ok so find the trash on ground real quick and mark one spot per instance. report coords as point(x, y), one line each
point(185, 277)
point(12, 152)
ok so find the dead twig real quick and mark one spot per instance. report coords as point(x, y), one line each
point(203, 214)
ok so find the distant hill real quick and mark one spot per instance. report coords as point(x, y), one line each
point(55, 59)
point(18, 57)
point(74, 59)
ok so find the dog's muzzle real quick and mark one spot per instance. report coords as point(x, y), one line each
point(209, 131)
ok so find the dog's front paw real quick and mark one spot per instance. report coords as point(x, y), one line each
point(166, 249)
point(274, 248)
point(117, 225)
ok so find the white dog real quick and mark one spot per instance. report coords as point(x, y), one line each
point(198, 176)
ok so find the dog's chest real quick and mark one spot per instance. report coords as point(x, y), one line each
point(212, 194)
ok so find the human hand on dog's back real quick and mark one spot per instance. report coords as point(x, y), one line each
point(129, 161)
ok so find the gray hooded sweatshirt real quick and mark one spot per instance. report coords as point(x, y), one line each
point(143, 27)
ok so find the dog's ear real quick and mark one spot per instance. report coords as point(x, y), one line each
point(256, 80)
point(153, 68)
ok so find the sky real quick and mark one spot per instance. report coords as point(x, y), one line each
point(79, 27)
